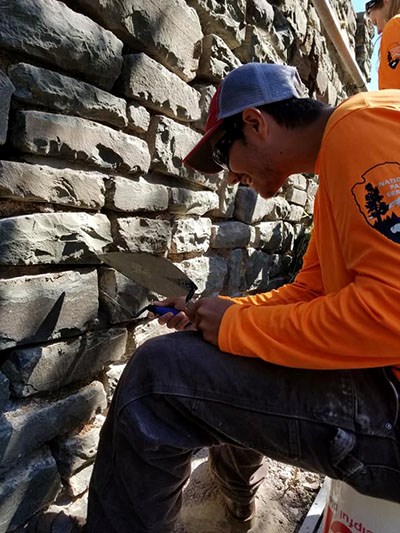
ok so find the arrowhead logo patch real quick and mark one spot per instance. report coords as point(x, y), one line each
point(378, 199)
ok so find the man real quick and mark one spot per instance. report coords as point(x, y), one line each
point(317, 385)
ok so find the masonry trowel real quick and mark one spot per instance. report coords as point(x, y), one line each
point(153, 272)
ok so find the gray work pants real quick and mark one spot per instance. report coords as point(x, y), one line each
point(179, 394)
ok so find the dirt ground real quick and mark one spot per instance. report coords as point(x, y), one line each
point(282, 501)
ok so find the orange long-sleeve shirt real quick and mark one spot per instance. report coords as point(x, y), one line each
point(343, 309)
point(389, 55)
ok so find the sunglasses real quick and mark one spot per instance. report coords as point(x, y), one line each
point(220, 153)
point(369, 5)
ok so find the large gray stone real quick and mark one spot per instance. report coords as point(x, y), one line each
point(75, 451)
point(187, 202)
point(169, 142)
point(4, 391)
point(235, 280)
point(167, 30)
point(47, 306)
point(139, 234)
point(222, 17)
point(227, 195)
point(191, 235)
point(46, 368)
point(275, 236)
point(48, 30)
point(258, 270)
point(30, 487)
point(207, 272)
point(6, 91)
point(170, 95)
point(40, 183)
point(232, 234)
point(138, 118)
point(206, 94)
point(296, 196)
point(39, 86)
point(48, 238)
point(124, 194)
point(251, 208)
point(120, 297)
point(299, 181)
point(79, 139)
point(259, 46)
point(217, 60)
point(260, 13)
point(114, 374)
point(269, 235)
point(27, 425)
point(78, 483)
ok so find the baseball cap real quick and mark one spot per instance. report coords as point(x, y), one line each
point(249, 85)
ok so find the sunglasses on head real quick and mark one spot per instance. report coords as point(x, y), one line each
point(372, 3)
point(220, 153)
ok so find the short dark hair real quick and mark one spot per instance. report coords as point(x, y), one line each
point(290, 113)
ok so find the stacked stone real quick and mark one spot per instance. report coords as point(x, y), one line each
point(101, 100)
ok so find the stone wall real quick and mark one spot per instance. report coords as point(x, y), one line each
point(100, 101)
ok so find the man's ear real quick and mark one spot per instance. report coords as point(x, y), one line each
point(254, 121)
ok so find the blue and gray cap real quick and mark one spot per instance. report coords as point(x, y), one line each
point(250, 85)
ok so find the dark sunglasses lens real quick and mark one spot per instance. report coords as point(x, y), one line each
point(220, 154)
point(371, 4)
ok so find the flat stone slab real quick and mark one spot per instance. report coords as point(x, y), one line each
point(38, 472)
point(207, 272)
point(232, 234)
point(170, 95)
point(187, 202)
point(53, 238)
point(27, 425)
point(169, 143)
point(39, 86)
point(81, 140)
point(191, 235)
point(52, 32)
point(40, 183)
point(167, 30)
point(222, 17)
point(6, 91)
point(4, 391)
point(75, 451)
point(46, 368)
point(124, 194)
point(139, 234)
point(251, 208)
point(217, 59)
point(47, 306)
point(120, 297)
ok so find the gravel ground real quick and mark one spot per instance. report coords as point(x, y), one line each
point(282, 501)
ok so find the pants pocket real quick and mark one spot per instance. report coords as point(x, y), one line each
point(343, 461)
point(367, 476)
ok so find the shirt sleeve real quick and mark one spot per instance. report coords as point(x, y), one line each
point(357, 326)
point(389, 56)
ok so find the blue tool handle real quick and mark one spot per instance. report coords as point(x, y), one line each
point(160, 310)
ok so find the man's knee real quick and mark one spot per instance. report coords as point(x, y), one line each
point(162, 360)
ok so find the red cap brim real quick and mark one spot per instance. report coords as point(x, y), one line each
point(200, 157)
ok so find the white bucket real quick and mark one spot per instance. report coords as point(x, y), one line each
point(348, 511)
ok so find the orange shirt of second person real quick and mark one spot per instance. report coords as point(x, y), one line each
point(385, 16)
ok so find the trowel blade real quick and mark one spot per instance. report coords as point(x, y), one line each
point(153, 272)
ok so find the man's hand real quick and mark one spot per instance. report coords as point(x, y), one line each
point(179, 321)
point(206, 314)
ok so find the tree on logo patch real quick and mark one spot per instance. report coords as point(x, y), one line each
point(376, 208)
